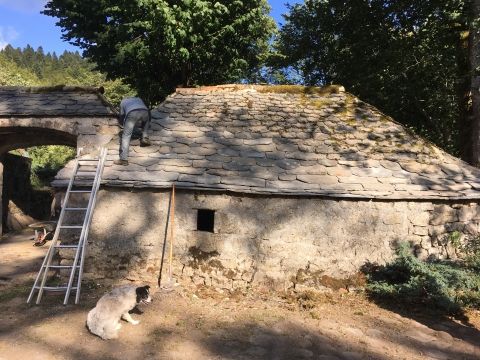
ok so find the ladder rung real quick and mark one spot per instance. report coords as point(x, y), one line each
point(70, 226)
point(60, 266)
point(55, 288)
point(80, 191)
point(75, 209)
point(66, 246)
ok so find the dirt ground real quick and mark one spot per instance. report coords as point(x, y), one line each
point(199, 323)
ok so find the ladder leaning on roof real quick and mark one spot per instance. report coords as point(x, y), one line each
point(81, 178)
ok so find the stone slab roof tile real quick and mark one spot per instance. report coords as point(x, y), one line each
point(53, 101)
point(288, 140)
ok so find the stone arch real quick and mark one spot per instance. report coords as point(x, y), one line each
point(22, 132)
point(45, 133)
point(20, 137)
point(59, 115)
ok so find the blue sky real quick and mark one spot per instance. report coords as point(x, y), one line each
point(21, 23)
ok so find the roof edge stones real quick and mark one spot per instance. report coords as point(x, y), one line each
point(54, 88)
point(263, 88)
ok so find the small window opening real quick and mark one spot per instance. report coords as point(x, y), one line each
point(205, 220)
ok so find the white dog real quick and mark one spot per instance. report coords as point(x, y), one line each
point(104, 319)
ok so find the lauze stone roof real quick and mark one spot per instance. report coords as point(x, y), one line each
point(288, 140)
point(53, 101)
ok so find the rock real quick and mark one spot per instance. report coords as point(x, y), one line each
point(351, 331)
point(444, 335)
point(302, 354)
point(421, 336)
point(374, 333)
point(261, 339)
point(351, 355)
point(436, 354)
point(257, 351)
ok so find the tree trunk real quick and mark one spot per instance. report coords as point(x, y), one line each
point(474, 73)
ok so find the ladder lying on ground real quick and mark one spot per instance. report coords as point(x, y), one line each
point(85, 179)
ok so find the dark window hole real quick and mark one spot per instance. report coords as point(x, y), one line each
point(205, 220)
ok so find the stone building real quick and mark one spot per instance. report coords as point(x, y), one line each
point(58, 115)
point(275, 185)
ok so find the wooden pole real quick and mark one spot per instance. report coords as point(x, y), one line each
point(172, 233)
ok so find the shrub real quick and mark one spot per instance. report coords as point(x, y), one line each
point(46, 161)
point(470, 249)
point(448, 286)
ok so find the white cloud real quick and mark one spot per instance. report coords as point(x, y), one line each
point(7, 35)
point(25, 6)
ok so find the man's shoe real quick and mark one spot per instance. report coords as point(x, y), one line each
point(145, 142)
point(121, 162)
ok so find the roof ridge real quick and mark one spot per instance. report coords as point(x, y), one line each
point(54, 88)
point(288, 89)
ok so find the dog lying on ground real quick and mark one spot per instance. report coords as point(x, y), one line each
point(104, 319)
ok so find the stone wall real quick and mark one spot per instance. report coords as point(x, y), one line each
point(263, 240)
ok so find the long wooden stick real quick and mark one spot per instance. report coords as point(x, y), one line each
point(172, 233)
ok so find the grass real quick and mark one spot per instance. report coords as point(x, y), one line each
point(14, 291)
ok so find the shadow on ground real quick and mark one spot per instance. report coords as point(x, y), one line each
point(457, 326)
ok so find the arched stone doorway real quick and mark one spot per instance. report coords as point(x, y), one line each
point(17, 137)
point(60, 115)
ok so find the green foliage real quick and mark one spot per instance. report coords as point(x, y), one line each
point(455, 238)
point(46, 161)
point(156, 45)
point(443, 285)
point(409, 58)
point(50, 157)
point(470, 250)
point(11, 74)
point(29, 67)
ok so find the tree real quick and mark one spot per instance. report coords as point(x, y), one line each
point(402, 56)
point(47, 70)
point(156, 45)
point(12, 74)
point(472, 102)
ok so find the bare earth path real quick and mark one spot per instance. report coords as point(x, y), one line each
point(197, 323)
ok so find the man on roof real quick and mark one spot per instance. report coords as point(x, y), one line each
point(133, 112)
